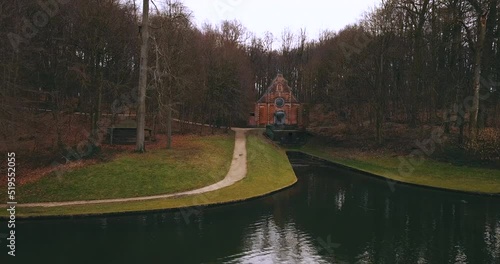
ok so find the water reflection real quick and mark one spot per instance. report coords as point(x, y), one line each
point(266, 242)
point(492, 239)
point(330, 216)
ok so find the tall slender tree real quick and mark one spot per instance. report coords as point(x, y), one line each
point(143, 79)
point(481, 12)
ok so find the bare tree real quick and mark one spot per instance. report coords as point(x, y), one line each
point(481, 13)
point(143, 79)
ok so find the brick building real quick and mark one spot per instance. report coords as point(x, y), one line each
point(278, 106)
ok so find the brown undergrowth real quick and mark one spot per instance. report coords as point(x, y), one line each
point(38, 152)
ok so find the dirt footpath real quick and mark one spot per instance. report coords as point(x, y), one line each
point(237, 171)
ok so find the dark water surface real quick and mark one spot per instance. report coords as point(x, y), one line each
point(330, 216)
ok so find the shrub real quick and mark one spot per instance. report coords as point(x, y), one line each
point(487, 145)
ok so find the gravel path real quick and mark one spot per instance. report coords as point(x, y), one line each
point(237, 171)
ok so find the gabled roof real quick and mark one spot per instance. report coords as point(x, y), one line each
point(279, 80)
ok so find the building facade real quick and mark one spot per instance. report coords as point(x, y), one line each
point(278, 106)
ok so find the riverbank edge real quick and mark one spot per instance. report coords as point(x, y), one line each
point(4, 214)
point(387, 178)
point(152, 211)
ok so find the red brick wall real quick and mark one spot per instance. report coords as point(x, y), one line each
point(265, 113)
point(265, 109)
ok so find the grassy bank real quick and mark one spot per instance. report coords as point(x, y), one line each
point(401, 168)
point(197, 162)
point(268, 171)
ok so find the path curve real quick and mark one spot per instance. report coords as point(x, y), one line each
point(237, 171)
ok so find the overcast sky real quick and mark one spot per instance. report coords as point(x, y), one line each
point(259, 16)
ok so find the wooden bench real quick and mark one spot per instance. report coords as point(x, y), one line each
point(125, 135)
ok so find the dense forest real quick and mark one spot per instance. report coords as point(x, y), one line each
point(411, 66)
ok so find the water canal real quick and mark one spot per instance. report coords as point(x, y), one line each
point(329, 216)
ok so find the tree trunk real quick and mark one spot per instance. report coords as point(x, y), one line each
point(378, 125)
point(380, 101)
point(169, 125)
point(143, 78)
point(94, 133)
point(477, 78)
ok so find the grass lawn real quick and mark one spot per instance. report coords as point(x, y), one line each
point(268, 171)
point(197, 162)
point(428, 172)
